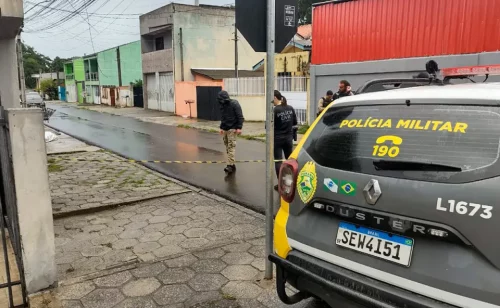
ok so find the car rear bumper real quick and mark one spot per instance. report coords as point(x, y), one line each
point(338, 286)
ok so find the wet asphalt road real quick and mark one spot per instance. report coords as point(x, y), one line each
point(139, 140)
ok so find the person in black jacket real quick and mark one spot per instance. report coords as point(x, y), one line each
point(344, 90)
point(230, 126)
point(284, 121)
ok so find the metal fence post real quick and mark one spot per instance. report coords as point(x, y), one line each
point(270, 134)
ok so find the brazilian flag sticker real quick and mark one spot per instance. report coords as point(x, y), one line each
point(348, 188)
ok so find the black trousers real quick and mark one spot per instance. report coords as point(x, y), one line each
point(282, 146)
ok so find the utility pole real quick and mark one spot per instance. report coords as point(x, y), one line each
point(182, 54)
point(119, 62)
point(236, 58)
point(271, 29)
point(20, 63)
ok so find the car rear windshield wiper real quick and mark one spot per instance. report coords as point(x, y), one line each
point(413, 166)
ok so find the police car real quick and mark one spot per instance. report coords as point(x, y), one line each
point(390, 199)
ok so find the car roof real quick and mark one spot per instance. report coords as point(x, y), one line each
point(488, 93)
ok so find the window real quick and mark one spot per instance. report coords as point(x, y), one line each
point(466, 137)
point(159, 43)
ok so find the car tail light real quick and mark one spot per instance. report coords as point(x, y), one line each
point(288, 180)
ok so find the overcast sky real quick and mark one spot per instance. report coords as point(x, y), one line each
point(73, 37)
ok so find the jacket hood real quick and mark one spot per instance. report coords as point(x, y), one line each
point(223, 97)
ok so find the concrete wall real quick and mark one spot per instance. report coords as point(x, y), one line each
point(121, 97)
point(254, 107)
point(108, 65)
point(208, 41)
point(79, 68)
point(12, 8)
point(36, 227)
point(153, 20)
point(131, 62)
point(157, 61)
point(11, 18)
point(327, 77)
point(9, 78)
point(187, 91)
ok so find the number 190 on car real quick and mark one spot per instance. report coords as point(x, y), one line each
point(390, 247)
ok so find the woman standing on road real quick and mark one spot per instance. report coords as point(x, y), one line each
point(285, 120)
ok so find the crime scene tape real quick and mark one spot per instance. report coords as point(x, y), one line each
point(163, 161)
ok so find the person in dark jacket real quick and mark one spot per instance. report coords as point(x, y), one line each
point(344, 90)
point(230, 126)
point(285, 120)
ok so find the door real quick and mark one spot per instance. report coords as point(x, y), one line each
point(112, 95)
point(89, 94)
point(167, 102)
point(207, 105)
point(71, 89)
point(138, 98)
point(80, 93)
point(62, 94)
point(96, 94)
point(152, 91)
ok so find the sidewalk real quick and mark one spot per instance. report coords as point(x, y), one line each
point(187, 249)
point(252, 130)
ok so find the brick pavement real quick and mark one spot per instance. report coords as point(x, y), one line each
point(78, 186)
point(190, 250)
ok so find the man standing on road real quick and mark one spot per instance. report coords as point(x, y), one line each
point(230, 126)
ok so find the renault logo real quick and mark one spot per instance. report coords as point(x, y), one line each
point(372, 192)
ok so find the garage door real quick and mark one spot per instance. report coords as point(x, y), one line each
point(167, 92)
point(152, 91)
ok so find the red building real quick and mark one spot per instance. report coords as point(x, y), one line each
point(364, 30)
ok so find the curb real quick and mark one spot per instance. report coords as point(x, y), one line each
point(111, 206)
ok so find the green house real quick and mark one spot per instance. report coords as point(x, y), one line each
point(92, 93)
point(75, 79)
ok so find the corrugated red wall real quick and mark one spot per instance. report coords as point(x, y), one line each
point(364, 30)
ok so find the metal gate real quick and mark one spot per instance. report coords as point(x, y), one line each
point(207, 106)
point(138, 99)
point(11, 271)
point(152, 91)
point(71, 90)
point(167, 102)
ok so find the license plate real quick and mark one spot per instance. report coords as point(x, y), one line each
point(390, 247)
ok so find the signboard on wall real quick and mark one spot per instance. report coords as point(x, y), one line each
point(251, 21)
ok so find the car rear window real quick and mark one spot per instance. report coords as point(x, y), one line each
point(466, 137)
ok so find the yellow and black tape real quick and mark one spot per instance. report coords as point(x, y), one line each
point(163, 161)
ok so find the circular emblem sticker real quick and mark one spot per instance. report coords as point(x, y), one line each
point(307, 182)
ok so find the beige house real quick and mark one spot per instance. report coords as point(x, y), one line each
point(178, 38)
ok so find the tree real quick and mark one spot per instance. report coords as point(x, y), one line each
point(35, 62)
point(305, 11)
point(49, 87)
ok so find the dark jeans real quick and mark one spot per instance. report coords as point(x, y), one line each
point(282, 146)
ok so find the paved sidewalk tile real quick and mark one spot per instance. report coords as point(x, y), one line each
point(91, 184)
point(199, 280)
point(149, 231)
